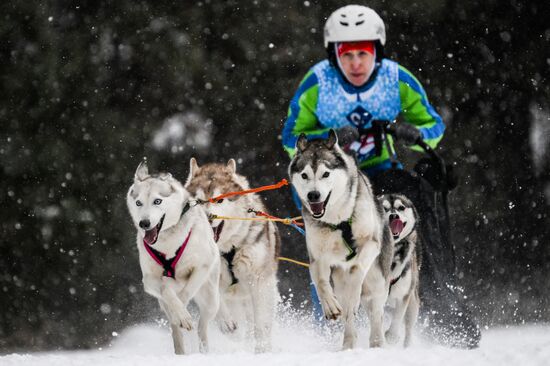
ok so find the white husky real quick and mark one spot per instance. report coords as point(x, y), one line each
point(177, 253)
point(249, 249)
point(347, 240)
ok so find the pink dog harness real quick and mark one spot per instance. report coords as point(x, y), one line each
point(169, 265)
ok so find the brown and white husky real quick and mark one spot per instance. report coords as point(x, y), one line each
point(249, 249)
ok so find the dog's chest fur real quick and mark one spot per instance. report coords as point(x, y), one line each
point(403, 255)
point(324, 241)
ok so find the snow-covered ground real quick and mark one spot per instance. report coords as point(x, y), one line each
point(297, 342)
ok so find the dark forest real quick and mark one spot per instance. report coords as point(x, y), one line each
point(89, 88)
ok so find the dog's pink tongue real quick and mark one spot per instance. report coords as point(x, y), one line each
point(151, 236)
point(317, 207)
point(396, 226)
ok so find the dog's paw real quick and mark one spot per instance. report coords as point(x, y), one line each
point(185, 319)
point(262, 347)
point(392, 337)
point(376, 341)
point(331, 308)
point(349, 342)
point(203, 347)
point(228, 325)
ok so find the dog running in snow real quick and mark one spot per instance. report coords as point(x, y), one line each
point(402, 219)
point(248, 248)
point(178, 257)
point(348, 242)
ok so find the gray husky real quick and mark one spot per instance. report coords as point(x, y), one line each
point(249, 249)
point(178, 257)
point(348, 243)
point(402, 219)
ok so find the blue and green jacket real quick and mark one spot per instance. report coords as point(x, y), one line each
point(324, 100)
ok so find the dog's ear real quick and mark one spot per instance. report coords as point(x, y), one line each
point(301, 144)
point(142, 171)
point(193, 168)
point(332, 139)
point(232, 166)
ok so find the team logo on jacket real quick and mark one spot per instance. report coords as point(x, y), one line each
point(360, 118)
point(363, 147)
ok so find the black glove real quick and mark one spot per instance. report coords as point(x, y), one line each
point(346, 135)
point(405, 132)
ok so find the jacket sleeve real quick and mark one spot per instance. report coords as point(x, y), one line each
point(417, 110)
point(301, 116)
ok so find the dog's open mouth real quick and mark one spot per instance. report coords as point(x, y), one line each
point(396, 227)
point(151, 236)
point(318, 208)
point(218, 230)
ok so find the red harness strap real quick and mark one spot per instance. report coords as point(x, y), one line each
point(169, 265)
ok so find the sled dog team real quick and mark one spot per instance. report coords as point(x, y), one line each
point(362, 249)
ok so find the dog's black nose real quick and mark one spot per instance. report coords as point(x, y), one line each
point(313, 196)
point(144, 224)
point(394, 217)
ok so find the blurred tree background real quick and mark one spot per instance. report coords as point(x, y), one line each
point(91, 87)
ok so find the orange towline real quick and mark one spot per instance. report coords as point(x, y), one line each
point(282, 183)
point(275, 218)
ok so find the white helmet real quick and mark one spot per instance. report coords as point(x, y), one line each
point(354, 23)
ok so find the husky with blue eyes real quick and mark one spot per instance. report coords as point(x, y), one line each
point(349, 244)
point(402, 219)
point(178, 257)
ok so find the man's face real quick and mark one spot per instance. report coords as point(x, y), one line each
point(356, 66)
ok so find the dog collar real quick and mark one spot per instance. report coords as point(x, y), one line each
point(169, 265)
